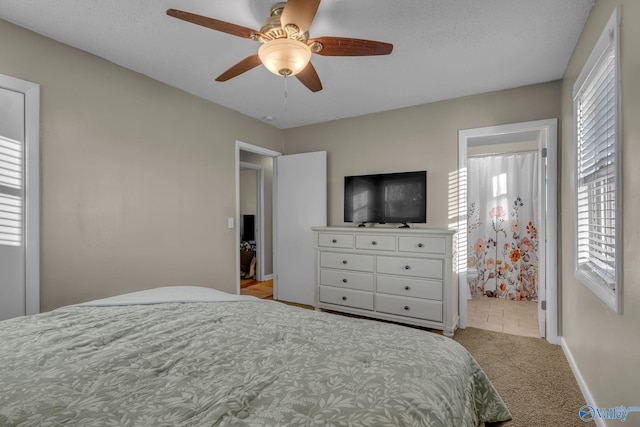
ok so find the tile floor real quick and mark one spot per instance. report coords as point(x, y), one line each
point(496, 314)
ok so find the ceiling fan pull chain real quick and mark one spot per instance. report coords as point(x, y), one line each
point(286, 94)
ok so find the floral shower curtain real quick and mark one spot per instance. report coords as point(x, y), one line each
point(502, 225)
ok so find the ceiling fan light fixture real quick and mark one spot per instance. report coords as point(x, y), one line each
point(285, 57)
point(286, 49)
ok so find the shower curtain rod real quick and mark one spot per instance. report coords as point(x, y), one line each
point(507, 153)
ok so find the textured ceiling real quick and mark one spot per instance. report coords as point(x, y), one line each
point(443, 49)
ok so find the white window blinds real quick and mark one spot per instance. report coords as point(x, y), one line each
point(597, 174)
point(11, 190)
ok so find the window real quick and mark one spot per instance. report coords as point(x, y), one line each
point(10, 192)
point(596, 115)
point(500, 185)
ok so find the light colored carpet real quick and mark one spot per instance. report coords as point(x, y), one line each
point(532, 376)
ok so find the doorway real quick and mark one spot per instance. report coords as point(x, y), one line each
point(299, 203)
point(254, 198)
point(543, 135)
point(251, 222)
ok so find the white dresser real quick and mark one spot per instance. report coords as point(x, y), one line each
point(396, 274)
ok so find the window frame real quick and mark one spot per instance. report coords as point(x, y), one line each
point(31, 185)
point(589, 277)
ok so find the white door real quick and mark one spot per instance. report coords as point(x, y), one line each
point(12, 254)
point(300, 203)
point(19, 197)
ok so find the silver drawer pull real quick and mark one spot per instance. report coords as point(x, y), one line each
point(407, 267)
point(334, 241)
point(374, 243)
point(420, 245)
point(344, 280)
point(344, 298)
point(406, 288)
point(406, 307)
point(344, 261)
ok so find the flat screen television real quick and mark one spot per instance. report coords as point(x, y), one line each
point(247, 228)
point(386, 198)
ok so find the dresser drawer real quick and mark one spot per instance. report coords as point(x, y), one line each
point(344, 261)
point(423, 245)
point(347, 279)
point(409, 307)
point(414, 288)
point(416, 267)
point(346, 297)
point(335, 240)
point(376, 243)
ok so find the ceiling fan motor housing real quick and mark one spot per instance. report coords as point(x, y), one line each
point(272, 27)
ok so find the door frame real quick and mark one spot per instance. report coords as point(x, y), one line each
point(31, 92)
point(259, 237)
point(546, 133)
point(244, 146)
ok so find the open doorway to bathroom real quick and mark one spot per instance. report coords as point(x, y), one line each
point(507, 223)
point(503, 254)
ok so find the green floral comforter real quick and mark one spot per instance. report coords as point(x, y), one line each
point(245, 363)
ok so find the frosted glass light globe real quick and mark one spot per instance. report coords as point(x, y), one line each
point(284, 57)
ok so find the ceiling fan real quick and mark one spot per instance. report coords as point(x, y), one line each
point(286, 47)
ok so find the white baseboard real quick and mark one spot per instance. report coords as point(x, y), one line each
point(580, 380)
point(268, 277)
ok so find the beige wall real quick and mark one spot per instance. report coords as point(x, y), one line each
point(416, 138)
point(248, 189)
point(137, 177)
point(606, 346)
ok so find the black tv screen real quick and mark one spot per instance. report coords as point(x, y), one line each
point(386, 198)
point(247, 228)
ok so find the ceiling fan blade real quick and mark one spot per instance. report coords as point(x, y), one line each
point(342, 46)
point(243, 66)
point(299, 13)
point(309, 78)
point(214, 24)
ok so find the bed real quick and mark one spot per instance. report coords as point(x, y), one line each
point(193, 356)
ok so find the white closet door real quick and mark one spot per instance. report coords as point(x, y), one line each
point(301, 203)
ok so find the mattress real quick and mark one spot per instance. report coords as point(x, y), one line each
point(193, 356)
